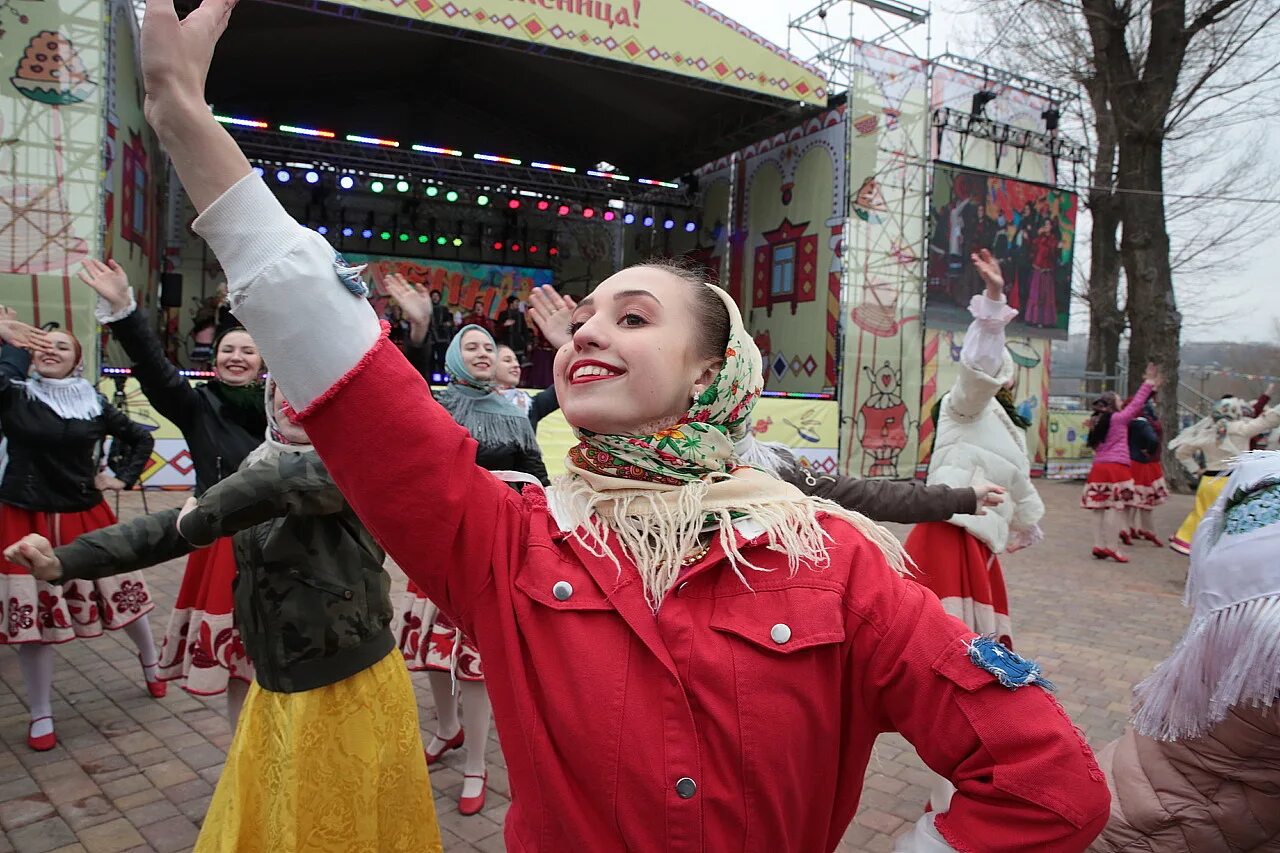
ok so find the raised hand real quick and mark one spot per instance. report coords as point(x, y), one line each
point(176, 54)
point(107, 280)
point(1153, 376)
point(35, 554)
point(414, 302)
point(551, 312)
point(989, 269)
point(19, 334)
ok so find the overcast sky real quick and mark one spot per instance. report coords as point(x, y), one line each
point(1254, 282)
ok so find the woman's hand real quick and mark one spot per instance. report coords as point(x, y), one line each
point(1153, 376)
point(187, 507)
point(107, 280)
point(414, 302)
point(176, 54)
point(105, 482)
point(35, 554)
point(989, 495)
point(551, 313)
point(989, 269)
point(19, 334)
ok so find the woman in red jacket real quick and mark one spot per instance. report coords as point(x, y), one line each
point(683, 655)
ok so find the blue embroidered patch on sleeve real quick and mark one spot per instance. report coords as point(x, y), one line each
point(350, 276)
point(1011, 670)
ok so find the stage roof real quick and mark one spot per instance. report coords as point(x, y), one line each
point(352, 71)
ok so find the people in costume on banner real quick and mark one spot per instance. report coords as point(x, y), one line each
point(327, 754)
point(222, 420)
point(55, 422)
point(1146, 447)
point(430, 638)
point(652, 623)
point(979, 436)
point(1109, 488)
point(1199, 766)
point(1205, 448)
point(906, 502)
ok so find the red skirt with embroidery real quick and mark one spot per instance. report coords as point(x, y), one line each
point(1109, 486)
point(202, 647)
point(965, 576)
point(1149, 487)
point(430, 641)
point(33, 611)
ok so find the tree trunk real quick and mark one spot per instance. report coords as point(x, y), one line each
point(1106, 319)
point(1154, 322)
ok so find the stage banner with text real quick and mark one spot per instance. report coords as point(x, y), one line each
point(684, 37)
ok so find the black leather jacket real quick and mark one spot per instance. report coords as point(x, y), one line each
point(53, 460)
point(218, 437)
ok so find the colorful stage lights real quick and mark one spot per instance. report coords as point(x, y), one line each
point(562, 210)
point(451, 195)
point(377, 186)
point(691, 226)
point(494, 158)
point(307, 131)
point(457, 242)
point(497, 245)
point(431, 149)
point(367, 233)
point(373, 140)
point(553, 251)
point(553, 167)
point(347, 232)
point(668, 224)
point(346, 182)
point(242, 122)
point(588, 213)
point(629, 218)
point(283, 176)
point(653, 183)
point(543, 204)
point(648, 222)
point(513, 204)
point(322, 230)
point(385, 235)
point(608, 176)
point(433, 191)
point(312, 176)
point(482, 200)
point(402, 186)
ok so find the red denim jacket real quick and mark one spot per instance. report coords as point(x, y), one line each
point(735, 719)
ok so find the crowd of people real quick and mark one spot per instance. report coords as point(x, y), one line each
point(688, 641)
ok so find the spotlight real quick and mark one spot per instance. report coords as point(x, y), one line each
point(322, 230)
point(402, 186)
point(668, 224)
point(283, 176)
point(497, 245)
point(433, 191)
point(482, 200)
point(404, 238)
point(609, 216)
point(978, 107)
point(553, 251)
point(312, 177)
point(544, 204)
point(385, 235)
point(451, 195)
point(442, 240)
point(629, 218)
point(377, 186)
point(562, 210)
point(515, 247)
point(648, 222)
point(533, 250)
point(367, 234)
point(347, 232)
point(588, 212)
point(346, 182)
point(691, 226)
point(457, 242)
point(423, 238)
point(258, 170)
point(514, 204)
point(1051, 117)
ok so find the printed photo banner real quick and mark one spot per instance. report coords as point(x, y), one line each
point(684, 37)
point(1029, 228)
point(460, 283)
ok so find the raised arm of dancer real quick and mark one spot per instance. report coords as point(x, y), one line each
point(1150, 382)
point(982, 355)
point(289, 484)
point(1267, 421)
point(323, 341)
point(161, 383)
point(1032, 785)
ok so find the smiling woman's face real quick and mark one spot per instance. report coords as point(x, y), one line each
point(632, 366)
point(478, 354)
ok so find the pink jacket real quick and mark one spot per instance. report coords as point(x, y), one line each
point(1115, 447)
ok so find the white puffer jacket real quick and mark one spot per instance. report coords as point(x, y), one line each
point(977, 443)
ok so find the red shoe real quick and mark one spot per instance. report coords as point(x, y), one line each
point(449, 745)
point(1150, 537)
point(1115, 555)
point(1101, 553)
point(1126, 536)
point(156, 688)
point(43, 743)
point(473, 805)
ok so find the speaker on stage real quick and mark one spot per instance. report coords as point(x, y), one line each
point(170, 290)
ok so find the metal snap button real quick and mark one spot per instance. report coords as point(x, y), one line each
point(686, 788)
point(780, 633)
point(562, 590)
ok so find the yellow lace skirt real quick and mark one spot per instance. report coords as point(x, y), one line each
point(338, 769)
point(1206, 494)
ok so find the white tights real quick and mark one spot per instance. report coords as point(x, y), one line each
point(476, 718)
point(1106, 528)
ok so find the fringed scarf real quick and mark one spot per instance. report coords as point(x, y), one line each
point(71, 397)
point(491, 418)
point(659, 493)
point(274, 443)
point(1230, 654)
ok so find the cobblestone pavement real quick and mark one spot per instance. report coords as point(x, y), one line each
point(133, 773)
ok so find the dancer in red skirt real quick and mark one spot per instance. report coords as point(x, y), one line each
point(54, 422)
point(222, 421)
point(1109, 490)
point(1146, 440)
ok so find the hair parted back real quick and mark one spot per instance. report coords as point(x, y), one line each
point(712, 316)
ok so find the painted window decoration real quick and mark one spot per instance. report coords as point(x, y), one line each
point(133, 222)
point(786, 267)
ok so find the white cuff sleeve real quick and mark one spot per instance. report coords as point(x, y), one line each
point(285, 287)
point(105, 315)
point(984, 341)
point(923, 838)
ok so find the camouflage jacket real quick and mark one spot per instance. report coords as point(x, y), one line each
point(312, 601)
